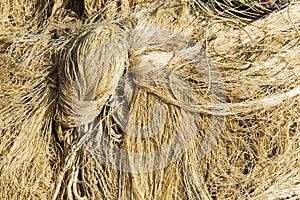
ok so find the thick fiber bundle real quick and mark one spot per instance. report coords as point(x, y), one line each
point(147, 100)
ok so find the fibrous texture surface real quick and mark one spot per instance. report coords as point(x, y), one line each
point(148, 100)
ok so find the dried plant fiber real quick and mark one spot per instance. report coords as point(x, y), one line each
point(148, 100)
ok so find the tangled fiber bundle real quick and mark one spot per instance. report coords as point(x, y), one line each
point(244, 10)
point(147, 100)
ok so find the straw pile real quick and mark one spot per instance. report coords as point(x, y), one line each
point(147, 100)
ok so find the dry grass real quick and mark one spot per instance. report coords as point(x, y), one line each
point(71, 70)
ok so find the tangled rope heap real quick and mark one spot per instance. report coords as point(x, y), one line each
point(151, 102)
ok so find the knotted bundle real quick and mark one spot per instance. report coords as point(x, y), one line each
point(130, 94)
